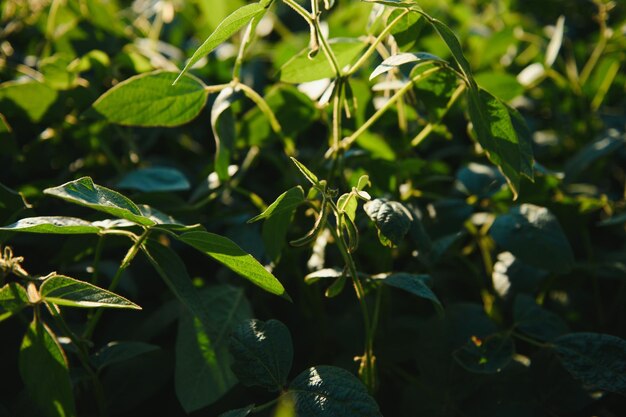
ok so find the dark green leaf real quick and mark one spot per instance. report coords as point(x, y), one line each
point(228, 27)
point(150, 100)
point(44, 370)
point(597, 360)
point(240, 412)
point(435, 91)
point(534, 235)
point(327, 391)
point(13, 298)
point(53, 225)
point(31, 97)
point(223, 125)
point(486, 356)
point(232, 256)
point(535, 321)
point(203, 362)
point(156, 179)
point(416, 285)
point(85, 193)
point(392, 219)
point(12, 204)
point(301, 69)
point(117, 352)
point(453, 44)
point(66, 291)
point(286, 202)
point(406, 32)
point(611, 142)
point(262, 353)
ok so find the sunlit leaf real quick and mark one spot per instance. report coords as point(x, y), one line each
point(71, 292)
point(53, 225)
point(13, 298)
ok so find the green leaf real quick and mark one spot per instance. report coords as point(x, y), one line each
point(203, 373)
point(453, 44)
point(262, 353)
point(41, 355)
point(232, 256)
point(310, 176)
point(66, 291)
point(286, 202)
point(229, 26)
point(327, 391)
point(30, 97)
point(325, 273)
point(301, 69)
point(501, 84)
point(597, 360)
point(535, 321)
point(240, 412)
point(435, 91)
point(85, 193)
point(497, 132)
point(53, 225)
point(223, 126)
point(150, 100)
point(488, 356)
point(532, 234)
point(611, 141)
point(117, 352)
point(155, 179)
point(416, 285)
point(391, 218)
point(13, 298)
point(398, 60)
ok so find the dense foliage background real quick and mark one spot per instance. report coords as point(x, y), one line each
point(512, 275)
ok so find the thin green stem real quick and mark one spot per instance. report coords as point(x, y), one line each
point(330, 55)
point(300, 10)
point(130, 255)
point(427, 130)
point(347, 142)
point(372, 48)
point(245, 41)
point(262, 105)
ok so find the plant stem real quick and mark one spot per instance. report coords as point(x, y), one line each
point(300, 10)
point(130, 255)
point(427, 130)
point(263, 106)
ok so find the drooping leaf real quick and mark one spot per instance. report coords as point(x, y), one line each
point(398, 60)
point(117, 352)
point(31, 97)
point(486, 356)
point(535, 321)
point(497, 132)
point(597, 360)
point(228, 27)
point(533, 235)
point(150, 100)
point(328, 391)
point(223, 125)
point(53, 225)
point(203, 374)
point(154, 179)
point(13, 298)
point(71, 292)
point(262, 353)
point(41, 354)
point(232, 256)
point(391, 218)
point(416, 285)
point(453, 44)
point(301, 69)
point(85, 193)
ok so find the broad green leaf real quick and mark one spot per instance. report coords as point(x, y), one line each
point(301, 69)
point(30, 97)
point(117, 352)
point(532, 234)
point(150, 100)
point(13, 298)
point(501, 84)
point(223, 126)
point(479, 180)
point(232, 256)
point(611, 141)
point(174, 273)
point(435, 91)
point(535, 321)
point(416, 285)
point(155, 179)
point(486, 356)
point(597, 360)
point(159, 218)
point(85, 193)
point(407, 31)
point(229, 26)
point(44, 371)
point(391, 218)
point(262, 353)
point(66, 291)
point(56, 72)
point(53, 225)
point(512, 276)
point(328, 391)
point(310, 176)
point(398, 60)
point(203, 373)
point(240, 412)
point(495, 127)
point(286, 202)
